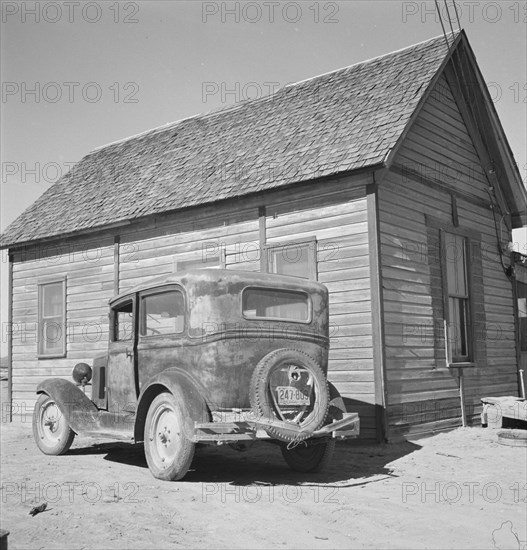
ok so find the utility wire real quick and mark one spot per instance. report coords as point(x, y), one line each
point(494, 203)
point(442, 25)
point(449, 19)
point(457, 15)
point(474, 110)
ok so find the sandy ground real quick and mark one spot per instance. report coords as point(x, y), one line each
point(454, 490)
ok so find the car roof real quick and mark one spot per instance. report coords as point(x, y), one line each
point(197, 276)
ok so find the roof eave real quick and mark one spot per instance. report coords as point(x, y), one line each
point(513, 180)
point(14, 246)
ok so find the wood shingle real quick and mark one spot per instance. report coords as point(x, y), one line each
point(337, 122)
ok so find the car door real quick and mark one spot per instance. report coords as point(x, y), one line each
point(162, 339)
point(122, 386)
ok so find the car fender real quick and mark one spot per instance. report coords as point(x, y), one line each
point(79, 411)
point(185, 388)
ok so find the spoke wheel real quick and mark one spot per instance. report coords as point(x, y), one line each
point(168, 450)
point(51, 430)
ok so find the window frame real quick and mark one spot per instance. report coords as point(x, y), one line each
point(155, 292)
point(41, 353)
point(181, 264)
point(521, 289)
point(312, 255)
point(464, 360)
point(113, 318)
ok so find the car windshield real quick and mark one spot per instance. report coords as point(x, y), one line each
point(266, 303)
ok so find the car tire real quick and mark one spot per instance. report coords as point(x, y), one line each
point(51, 430)
point(337, 408)
point(309, 458)
point(263, 394)
point(316, 457)
point(168, 448)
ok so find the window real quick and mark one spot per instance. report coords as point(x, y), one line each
point(52, 319)
point(457, 303)
point(522, 315)
point(163, 313)
point(263, 303)
point(123, 319)
point(200, 262)
point(293, 259)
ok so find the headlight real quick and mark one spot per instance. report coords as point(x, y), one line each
point(82, 373)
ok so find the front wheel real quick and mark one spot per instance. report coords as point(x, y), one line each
point(52, 432)
point(168, 450)
point(310, 458)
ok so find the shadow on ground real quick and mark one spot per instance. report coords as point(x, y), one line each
point(353, 462)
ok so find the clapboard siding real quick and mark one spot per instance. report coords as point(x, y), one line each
point(439, 149)
point(229, 233)
point(436, 161)
point(339, 223)
point(88, 266)
point(336, 215)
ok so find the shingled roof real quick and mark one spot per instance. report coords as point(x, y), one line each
point(337, 122)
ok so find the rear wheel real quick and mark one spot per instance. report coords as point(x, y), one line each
point(289, 386)
point(310, 458)
point(51, 430)
point(168, 450)
point(316, 457)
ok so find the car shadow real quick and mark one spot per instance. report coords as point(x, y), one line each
point(126, 453)
point(354, 463)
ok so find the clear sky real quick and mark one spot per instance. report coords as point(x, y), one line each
point(80, 74)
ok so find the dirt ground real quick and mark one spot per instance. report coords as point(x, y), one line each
point(454, 490)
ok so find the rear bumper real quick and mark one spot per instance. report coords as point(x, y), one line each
point(243, 430)
point(347, 427)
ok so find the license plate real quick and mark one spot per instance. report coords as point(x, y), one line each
point(287, 395)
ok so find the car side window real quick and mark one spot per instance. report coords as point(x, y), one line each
point(123, 322)
point(163, 313)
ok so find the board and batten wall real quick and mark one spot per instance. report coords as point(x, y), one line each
point(335, 213)
point(438, 167)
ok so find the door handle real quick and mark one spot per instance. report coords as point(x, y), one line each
point(129, 353)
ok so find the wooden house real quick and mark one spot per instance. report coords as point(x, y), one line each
point(390, 181)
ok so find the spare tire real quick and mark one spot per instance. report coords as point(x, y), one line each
point(290, 386)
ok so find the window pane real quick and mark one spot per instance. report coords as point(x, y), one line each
point(455, 254)
point(458, 329)
point(52, 300)
point(52, 335)
point(51, 320)
point(163, 314)
point(290, 259)
point(209, 262)
point(523, 333)
point(522, 314)
point(124, 322)
point(276, 304)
